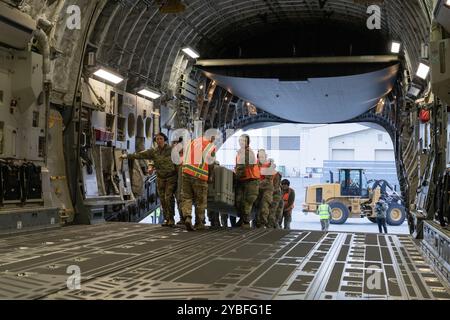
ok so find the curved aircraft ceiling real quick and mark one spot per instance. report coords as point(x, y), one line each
point(135, 38)
point(142, 43)
point(317, 100)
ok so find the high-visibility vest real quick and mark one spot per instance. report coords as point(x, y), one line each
point(324, 213)
point(194, 163)
point(252, 171)
point(286, 200)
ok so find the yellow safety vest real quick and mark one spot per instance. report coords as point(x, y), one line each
point(324, 212)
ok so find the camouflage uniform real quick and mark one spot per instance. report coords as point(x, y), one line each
point(246, 194)
point(194, 190)
point(275, 205)
point(280, 213)
point(166, 177)
point(264, 201)
point(247, 191)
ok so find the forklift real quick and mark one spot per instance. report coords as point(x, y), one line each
point(355, 197)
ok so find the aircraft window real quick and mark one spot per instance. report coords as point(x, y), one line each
point(148, 128)
point(131, 125)
point(140, 127)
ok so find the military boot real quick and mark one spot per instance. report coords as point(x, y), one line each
point(200, 227)
point(246, 226)
point(188, 224)
point(171, 223)
point(166, 223)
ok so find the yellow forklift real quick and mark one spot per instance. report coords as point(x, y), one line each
point(355, 197)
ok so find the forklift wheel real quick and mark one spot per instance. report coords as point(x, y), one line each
point(396, 215)
point(339, 213)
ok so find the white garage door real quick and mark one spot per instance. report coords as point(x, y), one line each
point(384, 155)
point(343, 154)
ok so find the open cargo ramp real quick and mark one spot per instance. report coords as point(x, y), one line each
point(134, 261)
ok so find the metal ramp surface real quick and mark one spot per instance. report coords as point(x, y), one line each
point(135, 261)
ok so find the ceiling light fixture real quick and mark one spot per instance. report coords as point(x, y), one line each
point(108, 76)
point(395, 47)
point(149, 93)
point(191, 53)
point(423, 71)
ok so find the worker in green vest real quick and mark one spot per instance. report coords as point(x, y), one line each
point(324, 212)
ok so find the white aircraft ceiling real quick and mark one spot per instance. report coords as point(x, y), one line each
point(317, 100)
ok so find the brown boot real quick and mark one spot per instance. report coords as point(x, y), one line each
point(246, 226)
point(165, 224)
point(188, 224)
point(200, 226)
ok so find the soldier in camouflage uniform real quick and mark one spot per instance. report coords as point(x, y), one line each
point(248, 175)
point(265, 196)
point(166, 175)
point(275, 212)
point(280, 212)
point(198, 168)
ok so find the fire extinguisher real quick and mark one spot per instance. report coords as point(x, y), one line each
point(425, 115)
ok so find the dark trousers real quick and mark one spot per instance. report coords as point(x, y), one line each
point(382, 225)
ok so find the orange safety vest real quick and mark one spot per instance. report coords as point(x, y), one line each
point(286, 200)
point(194, 163)
point(252, 171)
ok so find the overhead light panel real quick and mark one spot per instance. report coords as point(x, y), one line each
point(447, 3)
point(423, 71)
point(191, 53)
point(149, 94)
point(108, 76)
point(395, 47)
